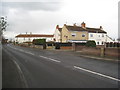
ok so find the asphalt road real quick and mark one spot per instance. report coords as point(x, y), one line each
point(35, 68)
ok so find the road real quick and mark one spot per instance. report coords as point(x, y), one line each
point(35, 68)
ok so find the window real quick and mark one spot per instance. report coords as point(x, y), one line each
point(73, 34)
point(102, 35)
point(98, 43)
point(102, 43)
point(83, 35)
point(29, 39)
point(91, 35)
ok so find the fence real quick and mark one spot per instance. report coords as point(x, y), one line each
point(113, 44)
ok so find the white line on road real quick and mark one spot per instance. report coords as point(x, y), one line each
point(29, 53)
point(50, 59)
point(97, 73)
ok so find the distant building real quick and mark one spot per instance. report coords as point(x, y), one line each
point(21, 38)
point(74, 33)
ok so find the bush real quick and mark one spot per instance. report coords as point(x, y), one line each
point(91, 44)
point(39, 41)
point(57, 46)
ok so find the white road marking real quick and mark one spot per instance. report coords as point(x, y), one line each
point(106, 76)
point(50, 59)
point(29, 53)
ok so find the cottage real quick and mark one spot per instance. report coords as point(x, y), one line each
point(22, 38)
point(74, 33)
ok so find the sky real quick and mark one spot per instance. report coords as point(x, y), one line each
point(42, 16)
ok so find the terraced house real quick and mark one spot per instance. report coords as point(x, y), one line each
point(74, 33)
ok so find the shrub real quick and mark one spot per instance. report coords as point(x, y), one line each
point(91, 44)
point(39, 41)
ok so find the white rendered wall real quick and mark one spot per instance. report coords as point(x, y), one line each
point(98, 37)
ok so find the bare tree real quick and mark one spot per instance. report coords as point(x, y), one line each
point(3, 25)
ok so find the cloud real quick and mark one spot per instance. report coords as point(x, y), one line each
point(30, 6)
point(36, 17)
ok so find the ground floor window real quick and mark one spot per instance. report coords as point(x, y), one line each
point(102, 43)
point(98, 43)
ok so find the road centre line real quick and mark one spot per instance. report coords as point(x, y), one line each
point(106, 76)
point(29, 53)
point(50, 59)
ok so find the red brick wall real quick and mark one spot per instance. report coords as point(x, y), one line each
point(66, 47)
point(111, 52)
point(91, 51)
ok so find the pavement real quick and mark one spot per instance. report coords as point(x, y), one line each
point(56, 69)
point(99, 58)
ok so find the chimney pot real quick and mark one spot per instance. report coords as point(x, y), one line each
point(57, 26)
point(64, 24)
point(74, 24)
point(101, 27)
point(83, 25)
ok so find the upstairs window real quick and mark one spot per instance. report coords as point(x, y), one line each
point(83, 35)
point(102, 35)
point(91, 35)
point(73, 34)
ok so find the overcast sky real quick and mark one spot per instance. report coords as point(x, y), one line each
point(42, 16)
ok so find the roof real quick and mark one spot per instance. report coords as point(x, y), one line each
point(78, 28)
point(60, 29)
point(34, 35)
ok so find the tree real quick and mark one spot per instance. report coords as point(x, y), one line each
point(3, 25)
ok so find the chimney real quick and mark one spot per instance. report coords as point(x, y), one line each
point(57, 27)
point(64, 24)
point(101, 28)
point(74, 24)
point(83, 25)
